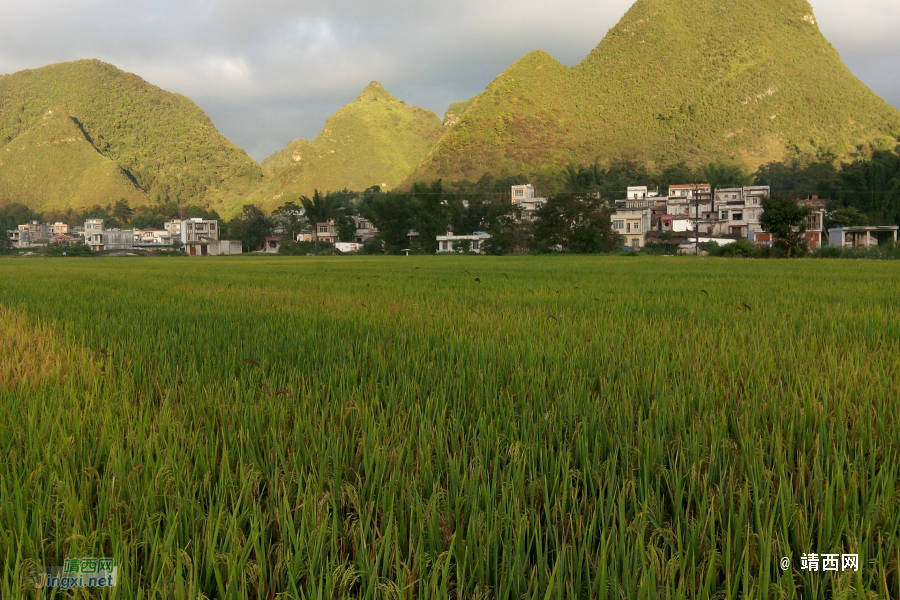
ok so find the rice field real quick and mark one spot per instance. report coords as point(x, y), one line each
point(451, 427)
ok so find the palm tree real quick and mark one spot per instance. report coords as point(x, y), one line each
point(321, 209)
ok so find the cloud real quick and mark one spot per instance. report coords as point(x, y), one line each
point(268, 71)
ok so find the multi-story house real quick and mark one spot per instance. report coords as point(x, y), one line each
point(633, 225)
point(524, 196)
point(327, 233)
point(174, 228)
point(365, 231)
point(198, 230)
point(736, 212)
point(688, 200)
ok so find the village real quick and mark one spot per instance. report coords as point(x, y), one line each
point(685, 219)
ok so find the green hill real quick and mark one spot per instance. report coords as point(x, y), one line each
point(375, 141)
point(162, 141)
point(693, 80)
point(53, 166)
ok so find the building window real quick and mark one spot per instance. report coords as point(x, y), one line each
point(738, 216)
point(476, 245)
point(618, 225)
point(323, 228)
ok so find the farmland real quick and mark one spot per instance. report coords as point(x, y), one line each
point(452, 427)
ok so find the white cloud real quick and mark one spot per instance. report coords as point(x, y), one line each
point(270, 70)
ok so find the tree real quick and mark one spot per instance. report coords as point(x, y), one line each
point(251, 227)
point(11, 216)
point(322, 209)
point(431, 215)
point(509, 233)
point(574, 224)
point(845, 216)
point(290, 217)
point(785, 219)
point(123, 211)
point(724, 174)
point(392, 214)
point(345, 226)
point(148, 221)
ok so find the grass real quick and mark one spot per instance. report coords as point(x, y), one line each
point(391, 428)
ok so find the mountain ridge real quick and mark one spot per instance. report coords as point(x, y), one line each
point(165, 143)
point(376, 140)
point(674, 80)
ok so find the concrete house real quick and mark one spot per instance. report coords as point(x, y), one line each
point(365, 231)
point(327, 233)
point(201, 238)
point(686, 200)
point(455, 243)
point(101, 239)
point(524, 196)
point(633, 225)
point(863, 237)
point(195, 230)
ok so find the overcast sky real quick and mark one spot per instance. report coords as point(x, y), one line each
point(269, 71)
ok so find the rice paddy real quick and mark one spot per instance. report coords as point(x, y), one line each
point(451, 427)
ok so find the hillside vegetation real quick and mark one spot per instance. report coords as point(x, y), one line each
point(162, 141)
point(691, 80)
point(53, 166)
point(375, 141)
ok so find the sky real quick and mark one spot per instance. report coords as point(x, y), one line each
point(269, 71)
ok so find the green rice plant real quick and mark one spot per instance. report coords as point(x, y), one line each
point(452, 427)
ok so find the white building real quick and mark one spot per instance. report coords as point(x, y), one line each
point(30, 234)
point(676, 224)
point(691, 191)
point(110, 239)
point(633, 224)
point(365, 231)
point(348, 247)
point(198, 230)
point(862, 237)
point(174, 228)
point(213, 248)
point(736, 211)
point(523, 195)
point(155, 237)
point(455, 243)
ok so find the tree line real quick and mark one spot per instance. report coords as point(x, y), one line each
point(863, 191)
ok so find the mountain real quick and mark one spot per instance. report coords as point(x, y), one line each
point(375, 141)
point(53, 166)
point(693, 80)
point(161, 141)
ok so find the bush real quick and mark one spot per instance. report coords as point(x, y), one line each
point(297, 249)
point(58, 250)
point(887, 252)
point(739, 249)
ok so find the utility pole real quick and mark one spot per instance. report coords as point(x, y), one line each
point(696, 223)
